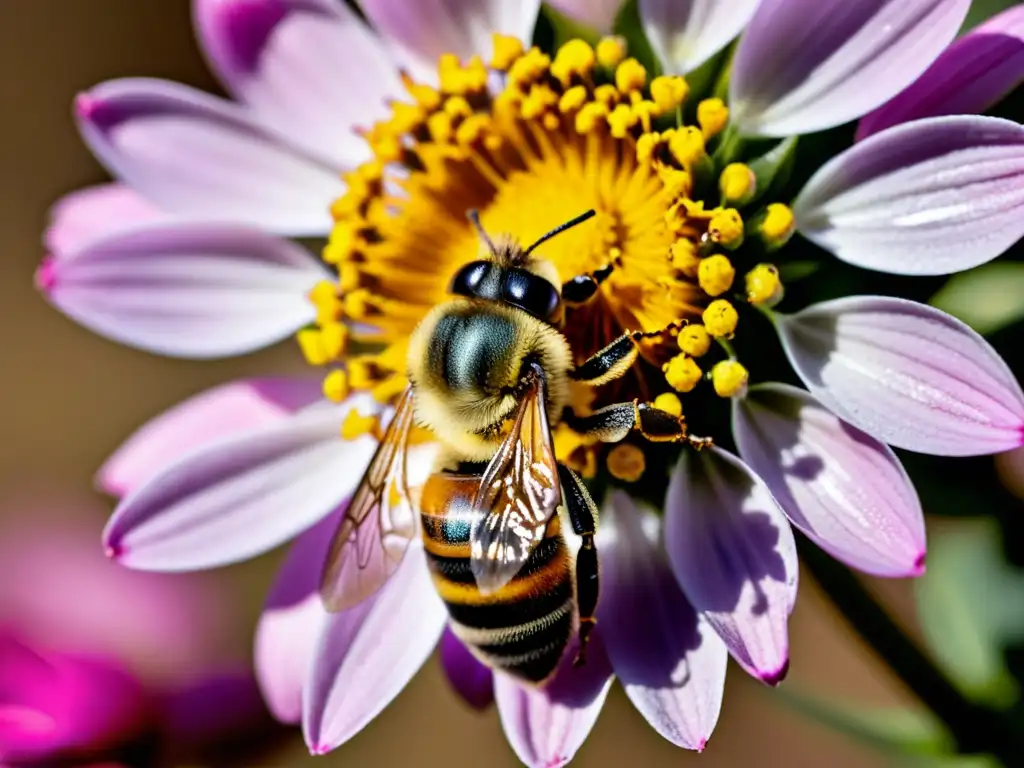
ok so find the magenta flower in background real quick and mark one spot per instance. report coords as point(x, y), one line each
point(181, 256)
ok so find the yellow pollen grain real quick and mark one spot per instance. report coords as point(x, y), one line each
point(630, 75)
point(575, 58)
point(336, 386)
point(668, 402)
point(610, 51)
point(621, 120)
point(737, 184)
point(720, 319)
point(694, 340)
point(686, 145)
point(506, 50)
point(729, 379)
point(626, 462)
point(682, 373)
point(712, 116)
point(357, 425)
point(726, 228)
point(590, 117)
point(669, 91)
point(715, 275)
point(778, 225)
point(764, 287)
point(573, 99)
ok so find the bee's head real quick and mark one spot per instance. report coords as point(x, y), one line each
point(512, 275)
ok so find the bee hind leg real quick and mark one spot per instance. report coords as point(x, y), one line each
point(615, 359)
point(614, 422)
point(583, 517)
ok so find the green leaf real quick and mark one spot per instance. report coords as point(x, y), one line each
point(948, 761)
point(987, 298)
point(971, 604)
point(894, 730)
point(982, 10)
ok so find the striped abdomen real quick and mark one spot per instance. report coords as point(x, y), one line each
point(522, 628)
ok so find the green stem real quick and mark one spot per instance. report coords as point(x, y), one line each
point(977, 729)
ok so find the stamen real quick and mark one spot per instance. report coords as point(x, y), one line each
point(611, 51)
point(720, 319)
point(738, 184)
point(777, 225)
point(506, 50)
point(357, 425)
point(626, 462)
point(669, 92)
point(764, 287)
point(694, 340)
point(630, 76)
point(729, 379)
point(336, 386)
point(726, 228)
point(682, 373)
point(715, 275)
point(712, 116)
point(311, 344)
point(669, 403)
point(575, 59)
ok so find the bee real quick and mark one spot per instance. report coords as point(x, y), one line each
point(489, 372)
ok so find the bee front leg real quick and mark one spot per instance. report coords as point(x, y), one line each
point(582, 288)
point(583, 517)
point(614, 360)
point(614, 422)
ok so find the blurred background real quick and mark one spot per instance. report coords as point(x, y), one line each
point(68, 397)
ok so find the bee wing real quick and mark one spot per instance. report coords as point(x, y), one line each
point(518, 495)
point(379, 523)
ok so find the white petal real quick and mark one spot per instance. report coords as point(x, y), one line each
point(686, 33)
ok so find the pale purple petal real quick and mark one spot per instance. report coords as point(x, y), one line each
point(669, 660)
point(847, 491)
point(242, 495)
point(599, 15)
point(206, 417)
point(804, 66)
point(732, 550)
point(473, 681)
point(94, 212)
point(367, 654)
point(289, 628)
point(187, 290)
point(193, 154)
point(420, 32)
point(546, 726)
point(971, 75)
point(930, 197)
point(309, 68)
point(907, 374)
point(686, 33)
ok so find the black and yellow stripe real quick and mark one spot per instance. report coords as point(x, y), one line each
point(522, 628)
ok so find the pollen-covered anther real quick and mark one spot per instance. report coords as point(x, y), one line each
point(726, 228)
point(573, 99)
point(592, 115)
point(682, 373)
point(777, 225)
point(427, 97)
point(312, 346)
point(621, 120)
point(683, 255)
point(335, 386)
point(715, 275)
point(720, 319)
point(538, 101)
point(694, 340)
point(737, 184)
point(334, 339)
point(764, 286)
point(575, 59)
point(529, 68)
point(712, 116)
point(669, 92)
point(670, 403)
point(626, 462)
point(729, 379)
point(611, 51)
point(686, 145)
point(677, 183)
point(387, 390)
point(506, 50)
point(459, 79)
point(646, 146)
point(356, 425)
point(630, 76)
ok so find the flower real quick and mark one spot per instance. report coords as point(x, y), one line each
point(688, 228)
point(101, 665)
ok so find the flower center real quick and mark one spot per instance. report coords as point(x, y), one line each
point(531, 142)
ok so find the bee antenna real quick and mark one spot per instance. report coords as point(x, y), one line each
point(561, 228)
point(474, 216)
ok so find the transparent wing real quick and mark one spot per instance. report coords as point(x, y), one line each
point(379, 523)
point(518, 495)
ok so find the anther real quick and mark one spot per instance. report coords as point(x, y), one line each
point(424, 95)
point(311, 344)
point(694, 340)
point(590, 117)
point(764, 287)
point(333, 338)
point(687, 146)
point(621, 120)
point(611, 51)
point(682, 373)
point(715, 275)
point(720, 319)
point(506, 50)
point(646, 146)
point(356, 425)
point(712, 116)
point(729, 379)
point(737, 184)
point(626, 462)
point(776, 226)
point(669, 402)
point(573, 99)
point(575, 58)
point(726, 228)
point(669, 92)
point(336, 386)
point(630, 75)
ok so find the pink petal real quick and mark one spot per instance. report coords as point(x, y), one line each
point(420, 32)
point(288, 631)
point(367, 655)
point(242, 495)
point(732, 550)
point(928, 197)
point(473, 681)
point(599, 15)
point(204, 418)
point(546, 726)
point(309, 68)
point(686, 33)
point(187, 290)
point(94, 212)
point(906, 373)
point(195, 155)
point(847, 491)
point(804, 66)
point(971, 75)
point(669, 660)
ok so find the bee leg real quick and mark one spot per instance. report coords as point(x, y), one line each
point(614, 422)
point(614, 360)
point(582, 288)
point(583, 518)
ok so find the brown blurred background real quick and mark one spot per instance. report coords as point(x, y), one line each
point(67, 398)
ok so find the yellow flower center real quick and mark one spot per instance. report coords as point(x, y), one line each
point(532, 141)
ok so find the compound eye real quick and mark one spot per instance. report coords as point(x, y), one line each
point(467, 280)
point(532, 293)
